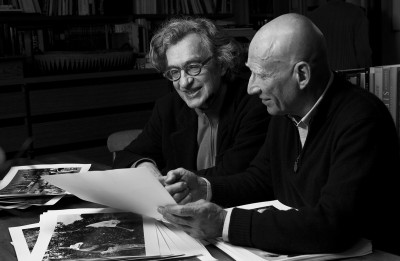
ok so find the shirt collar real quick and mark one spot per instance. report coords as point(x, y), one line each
point(305, 121)
point(213, 113)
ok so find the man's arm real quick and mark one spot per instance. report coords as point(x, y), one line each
point(146, 146)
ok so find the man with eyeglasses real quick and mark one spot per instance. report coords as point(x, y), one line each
point(210, 124)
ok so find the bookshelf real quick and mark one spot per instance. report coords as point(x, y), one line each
point(69, 27)
point(383, 81)
point(76, 112)
point(65, 105)
point(263, 11)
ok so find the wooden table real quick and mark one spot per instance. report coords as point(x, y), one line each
point(15, 217)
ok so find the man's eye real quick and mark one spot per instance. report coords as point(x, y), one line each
point(193, 66)
point(260, 76)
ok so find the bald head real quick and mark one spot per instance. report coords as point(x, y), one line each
point(289, 65)
point(291, 38)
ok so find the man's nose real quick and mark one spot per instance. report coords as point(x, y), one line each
point(253, 89)
point(185, 80)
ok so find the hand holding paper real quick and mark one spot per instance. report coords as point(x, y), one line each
point(133, 189)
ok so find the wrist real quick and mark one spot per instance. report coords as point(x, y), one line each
point(204, 189)
point(144, 162)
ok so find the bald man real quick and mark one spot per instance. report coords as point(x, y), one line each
point(331, 153)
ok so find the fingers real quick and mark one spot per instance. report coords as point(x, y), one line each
point(176, 210)
point(176, 188)
point(180, 192)
point(171, 214)
point(174, 175)
point(161, 180)
point(186, 200)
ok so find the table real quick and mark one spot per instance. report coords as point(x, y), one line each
point(15, 217)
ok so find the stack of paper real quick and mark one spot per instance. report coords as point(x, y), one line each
point(362, 247)
point(24, 186)
point(127, 231)
point(102, 234)
point(135, 190)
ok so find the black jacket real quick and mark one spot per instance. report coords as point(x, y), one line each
point(170, 136)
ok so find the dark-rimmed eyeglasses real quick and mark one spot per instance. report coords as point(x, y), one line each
point(192, 69)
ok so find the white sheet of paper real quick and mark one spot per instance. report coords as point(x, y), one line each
point(133, 189)
point(185, 243)
point(21, 246)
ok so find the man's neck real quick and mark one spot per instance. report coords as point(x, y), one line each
point(214, 107)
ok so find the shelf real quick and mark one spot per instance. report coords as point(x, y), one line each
point(33, 19)
point(143, 73)
point(28, 20)
point(72, 110)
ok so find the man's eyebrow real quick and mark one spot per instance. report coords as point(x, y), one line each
point(194, 60)
point(255, 69)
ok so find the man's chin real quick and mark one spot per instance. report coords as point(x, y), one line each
point(194, 104)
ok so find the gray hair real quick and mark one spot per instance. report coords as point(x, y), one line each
point(225, 49)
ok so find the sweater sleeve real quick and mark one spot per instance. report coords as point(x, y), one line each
point(146, 145)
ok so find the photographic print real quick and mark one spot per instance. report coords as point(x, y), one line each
point(27, 180)
point(97, 235)
point(24, 239)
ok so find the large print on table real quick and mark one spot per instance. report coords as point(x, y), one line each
point(97, 235)
point(27, 180)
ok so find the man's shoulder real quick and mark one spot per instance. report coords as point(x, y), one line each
point(169, 100)
point(171, 103)
point(351, 103)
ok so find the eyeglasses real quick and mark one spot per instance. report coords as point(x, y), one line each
point(192, 69)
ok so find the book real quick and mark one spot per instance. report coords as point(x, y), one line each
point(394, 85)
point(356, 76)
point(385, 86)
point(360, 248)
point(372, 79)
point(378, 80)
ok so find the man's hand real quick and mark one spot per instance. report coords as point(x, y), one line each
point(200, 219)
point(185, 186)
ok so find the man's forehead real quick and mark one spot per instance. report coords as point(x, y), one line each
point(256, 65)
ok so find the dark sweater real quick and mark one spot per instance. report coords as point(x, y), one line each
point(170, 136)
point(345, 187)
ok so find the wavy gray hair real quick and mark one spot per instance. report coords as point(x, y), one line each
point(225, 49)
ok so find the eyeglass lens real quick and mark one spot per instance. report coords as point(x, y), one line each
point(192, 69)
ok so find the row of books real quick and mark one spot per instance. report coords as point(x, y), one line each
point(96, 7)
point(182, 6)
point(29, 42)
point(384, 82)
point(26, 6)
point(59, 7)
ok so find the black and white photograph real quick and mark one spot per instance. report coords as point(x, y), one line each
point(28, 180)
point(97, 235)
point(24, 239)
point(199, 130)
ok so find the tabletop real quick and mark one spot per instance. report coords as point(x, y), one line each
point(16, 217)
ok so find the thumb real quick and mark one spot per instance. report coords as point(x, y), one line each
point(173, 176)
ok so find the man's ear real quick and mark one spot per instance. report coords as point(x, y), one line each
point(303, 73)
